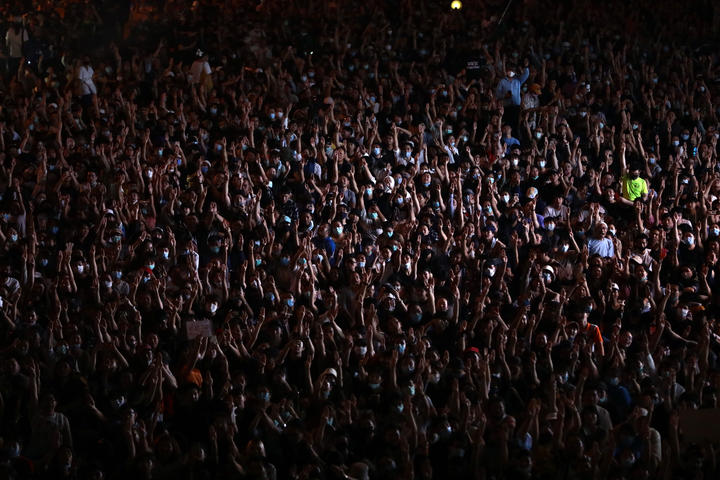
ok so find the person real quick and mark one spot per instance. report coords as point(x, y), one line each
point(342, 258)
point(15, 37)
point(509, 91)
point(84, 77)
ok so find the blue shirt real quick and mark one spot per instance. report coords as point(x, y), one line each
point(603, 247)
point(512, 85)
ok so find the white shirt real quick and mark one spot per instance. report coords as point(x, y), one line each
point(197, 69)
point(85, 75)
point(14, 42)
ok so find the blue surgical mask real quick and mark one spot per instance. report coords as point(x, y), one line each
point(339, 230)
point(390, 233)
point(376, 151)
point(290, 302)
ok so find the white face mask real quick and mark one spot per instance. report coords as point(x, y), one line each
point(213, 307)
point(511, 74)
point(80, 268)
point(490, 272)
point(565, 248)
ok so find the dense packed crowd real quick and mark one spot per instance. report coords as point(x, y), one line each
point(317, 240)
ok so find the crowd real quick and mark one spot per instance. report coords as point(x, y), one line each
point(359, 240)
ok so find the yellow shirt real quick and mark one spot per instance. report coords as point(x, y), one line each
point(633, 188)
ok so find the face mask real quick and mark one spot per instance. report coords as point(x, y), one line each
point(374, 386)
point(489, 210)
point(612, 232)
point(550, 227)
point(651, 160)
point(685, 136)
point(13, 237)
point(361, 264)
point(565, 248)
point(265, 396)
point(376, 151)
point(361, 351)
point(399, 408)
point(399, 200)
point(490, 272)
point(547, 277)
point(676, 143)
point(108, 284)
point(426, 184)
point(542, 163)
point(258, 262)
point(151, 266)
point(684, 312)
point(506, 198)
point(43, 262)
point(285, 261)
point(511, 74)
point(515, 162)
point(117, 274)
point(213, 307)
point(116, 239)
point(339, 230)
point(272, 116)
point(643, 279)
point(716, 231)
point(166, 255)
point(690, 240)
point(491, 180)
point(80, 268)
point(290, 302)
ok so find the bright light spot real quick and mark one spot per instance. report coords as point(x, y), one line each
point(456, 5)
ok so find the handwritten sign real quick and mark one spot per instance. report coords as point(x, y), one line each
point(200, 328)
